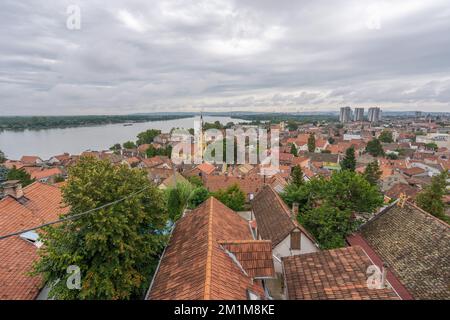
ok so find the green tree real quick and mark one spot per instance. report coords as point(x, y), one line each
point(374, 148)
point(386, 136)
point(147, 137)
point(311, 143)
point(331, 140)
point(116, 147)
point(152, 151)
point(196, 181)
point(292, 125)
point(3, 173)
point(116, 247)
point(129, 145)
point(198, 196)
point(372, 173)
point(329, 225)
point(232, 197)
point(297, 176)
point(345, 192)
point(431, 146)
point(349, 161)
point(392, 156)
point(21, 175)
point(294, 150)
point(2, 157)
point(177, 199)
point(431, 198)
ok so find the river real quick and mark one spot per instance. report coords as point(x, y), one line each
point(49, 142)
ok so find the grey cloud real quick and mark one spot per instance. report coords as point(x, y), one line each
point(178, 55)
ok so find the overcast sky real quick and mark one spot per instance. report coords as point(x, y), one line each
point(217, 55)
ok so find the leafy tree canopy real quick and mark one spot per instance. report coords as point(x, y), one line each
point(372, 173)
point(117, 247)
point(311, 143)
point(297, 176)
point(294, 150)
point(2, 157)
point(374, 148)
point(349, 161)
point(431, 198)
point(232, 197)
point(129, 145)
point(386, 136)
point(198, 196)
point(177, 199)
point(346, 193)
point(147, 137)
point(21, 175)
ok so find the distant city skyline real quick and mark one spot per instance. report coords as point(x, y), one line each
point(223, 56)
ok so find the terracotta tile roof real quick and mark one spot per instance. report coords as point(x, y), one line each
point(286, 157)
point(30, 159)
point(46, 173)
point(248, 184)
point(206, 168)
point(143, 147)
point(195, 266)
point(255, 256)
point(10, 164)
point(301, 161)
point(413, 171)
point(399, 188)
point(322, 157)
point(338, 274)
point(42, 204)
point(273, 217)
point(416, 247)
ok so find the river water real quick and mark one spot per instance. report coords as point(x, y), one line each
point(49, 142)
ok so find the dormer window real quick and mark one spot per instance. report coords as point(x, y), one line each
point(252, 296)
point(32, 237)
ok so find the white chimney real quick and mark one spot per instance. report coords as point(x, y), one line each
point(13, 188)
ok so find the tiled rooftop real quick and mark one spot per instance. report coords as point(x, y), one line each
point(338, 274)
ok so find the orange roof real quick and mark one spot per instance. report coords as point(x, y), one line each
point(338, 274)
point(43, 204)
point(30, 159)
point(206, 168)
point(10, 164)
point(46, 173)
point(195, 266)
point(248, 184)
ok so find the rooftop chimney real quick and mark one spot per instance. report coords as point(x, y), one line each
point(384, 275)
point(295, 209)
point(13, 188)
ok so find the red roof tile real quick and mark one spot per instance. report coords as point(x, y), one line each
point(195, 265)
point(42, 203)
point(338, 274)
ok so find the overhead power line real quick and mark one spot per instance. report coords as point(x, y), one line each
point(75, 216)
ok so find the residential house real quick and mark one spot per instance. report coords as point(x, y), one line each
point(414, 245)
point(24, 208)
point(201, 170)
point(47, 175)
point(61, 159)
point(275, 222)
point(212, 255)
point(31, 160)
point(339, 274)
point(250, 185)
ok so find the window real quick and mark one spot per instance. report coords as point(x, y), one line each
point(295, 240)
point(252, 296)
